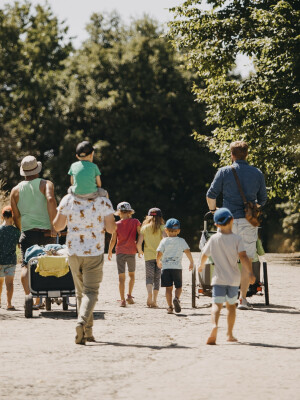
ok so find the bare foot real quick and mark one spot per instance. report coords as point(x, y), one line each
point(213, 336)
point(154, 305)
point(149, 302)
point(231, 338)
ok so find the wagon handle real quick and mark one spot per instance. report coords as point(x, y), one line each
point(207, 216)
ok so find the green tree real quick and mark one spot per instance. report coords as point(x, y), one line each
point(262, 109)
point(33, 45)
point(129, 94)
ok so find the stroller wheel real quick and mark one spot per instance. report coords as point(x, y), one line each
point(28, 306)
point(65, 303)
point(48, 303)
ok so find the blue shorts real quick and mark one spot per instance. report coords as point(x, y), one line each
point(223, 293)
point(7, 270)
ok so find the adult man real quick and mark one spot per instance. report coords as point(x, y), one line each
point(34, 207)
point(254, 187)
point(87, 221)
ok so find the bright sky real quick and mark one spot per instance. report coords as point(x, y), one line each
point(77, 14)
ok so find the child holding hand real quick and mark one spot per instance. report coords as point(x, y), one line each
point(152, 231)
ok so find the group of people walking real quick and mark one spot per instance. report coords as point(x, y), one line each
point(88, 213)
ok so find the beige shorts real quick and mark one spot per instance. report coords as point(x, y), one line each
point(248, 233)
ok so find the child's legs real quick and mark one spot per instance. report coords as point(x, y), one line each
point(169, 291)
point(218, 298)
point(231, 308)
point(151, 280)
point(122, 286)
point(157, 277)
point(167, 282)
point(131, 271)
point(9, 282)
point(121, 271)
point(177, 278)
point(231, 298)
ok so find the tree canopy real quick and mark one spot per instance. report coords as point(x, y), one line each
point(125, 90)
point(262, 109)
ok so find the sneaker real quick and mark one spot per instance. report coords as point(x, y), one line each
point(176, 303)
point(130, 299)
point(244, 305)
point(123, 303)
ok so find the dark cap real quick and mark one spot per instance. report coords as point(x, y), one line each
point(155, 211)
point(222, 216)
point(84, 148)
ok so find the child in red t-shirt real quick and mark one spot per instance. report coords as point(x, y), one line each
point(125, 236)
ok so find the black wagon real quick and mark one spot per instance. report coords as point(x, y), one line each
point(51, 288)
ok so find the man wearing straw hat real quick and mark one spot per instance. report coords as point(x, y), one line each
point(34, 208)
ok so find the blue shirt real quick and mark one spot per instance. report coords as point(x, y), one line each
point(172, 249)
point(252, 182)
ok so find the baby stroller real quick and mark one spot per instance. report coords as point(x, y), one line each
point(204, 288)
point(45, 285)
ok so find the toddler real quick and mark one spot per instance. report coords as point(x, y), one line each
point(9, 238)
point(169, 256)
point(85, 175)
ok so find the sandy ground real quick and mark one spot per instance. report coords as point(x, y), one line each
point(146, 354)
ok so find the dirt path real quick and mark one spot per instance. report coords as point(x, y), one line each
point(146, 354)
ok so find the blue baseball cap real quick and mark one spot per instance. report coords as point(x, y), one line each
point(173, 223)
point(222, 215)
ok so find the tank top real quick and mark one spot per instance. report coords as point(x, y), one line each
point(32, 205)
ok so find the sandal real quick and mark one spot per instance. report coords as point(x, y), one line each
point(130, 299)
point(170, 310)
point(123, 303)
point(11, 308)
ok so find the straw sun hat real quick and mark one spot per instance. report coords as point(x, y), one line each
point(30, 166)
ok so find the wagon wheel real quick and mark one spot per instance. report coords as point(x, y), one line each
point(48, 303)
point(65, 303)
point(194, 288)
point(266, 284)
point(28, 306)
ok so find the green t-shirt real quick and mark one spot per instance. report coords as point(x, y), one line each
point(9, 238)
point(151, 241)
point(84, 174)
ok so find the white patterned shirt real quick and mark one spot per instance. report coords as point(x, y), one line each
point(85, 220)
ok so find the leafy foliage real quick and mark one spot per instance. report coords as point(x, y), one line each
point(127, 92)
point(31, 55)
point(262, 109)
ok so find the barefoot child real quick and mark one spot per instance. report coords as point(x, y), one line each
point(151, 233)
point(85, 175)
point(169, 256)
point(125, 236)
point(225, 248)
point(9, 238)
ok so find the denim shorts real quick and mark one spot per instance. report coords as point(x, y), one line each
point(222, 294)
point(7, 270)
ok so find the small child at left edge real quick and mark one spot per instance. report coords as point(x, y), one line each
point(9, 238)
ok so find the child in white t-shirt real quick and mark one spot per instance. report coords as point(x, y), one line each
point(225, 248)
